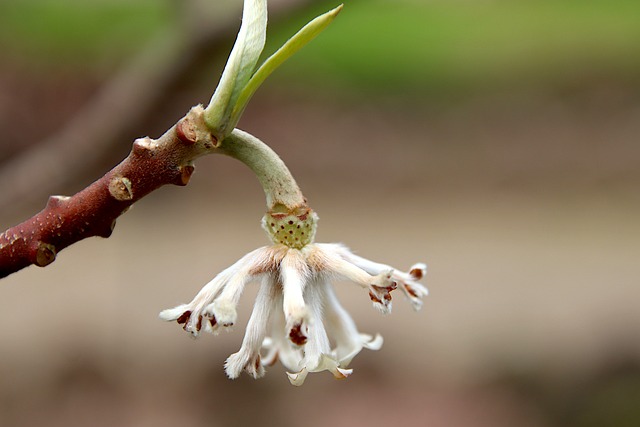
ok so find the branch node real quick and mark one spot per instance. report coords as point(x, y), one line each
point(106, 231)
point(186, 132)
point(185, 175)
point(56, 201)
point(45, 254)
point(194, 122)
point(120, 188)
point(143, 146)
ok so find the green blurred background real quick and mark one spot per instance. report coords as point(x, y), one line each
point(498, 141)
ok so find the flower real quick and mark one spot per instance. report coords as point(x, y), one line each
point(296, 298)
point(310, 330)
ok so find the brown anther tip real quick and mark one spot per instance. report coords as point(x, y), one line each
point(416, 273)
point(389, 288)
point(296, 336)
point(374, 298)
point(184, 317)
point(45, 254)
point(199, 324)
point(186, 132)
point(411, 291)
point(213, 321)
point(383, 292)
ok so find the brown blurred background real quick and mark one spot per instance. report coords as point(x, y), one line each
point(497, 141)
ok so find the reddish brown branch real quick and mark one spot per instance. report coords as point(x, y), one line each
point(126, 100)
point(93, 211)
point(151, 163)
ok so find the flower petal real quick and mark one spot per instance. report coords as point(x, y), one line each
point(380, 285)
point(247, 269)
point(248, 358)
point(294, 274)
point(372, 343)
point(408, 282)
point(341, 327)
point(318, 343)
point(192, 314)
point(171, 314)
point(326, 363)
point(298, 378)
point(278, 345)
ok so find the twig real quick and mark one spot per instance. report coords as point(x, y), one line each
point(169, 159)
point(114, 111)
point(93, 211)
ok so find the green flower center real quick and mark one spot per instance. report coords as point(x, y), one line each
point(294, 229)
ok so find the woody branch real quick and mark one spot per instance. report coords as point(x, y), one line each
point(169, 159)
point(94, 210)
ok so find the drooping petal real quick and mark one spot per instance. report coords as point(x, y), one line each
point(250, 267)
point(410, 286)
point(317, 351)
point(271, 352)
point(379, 285)
point(198, 313)
point(297, 378)
point(190, 315)
point(294, 274)
point(171, 314)
point(248, 358)
point(326, 363)
point(318, 343)
point(278, 345)
point(341, 327)
point(408, 281)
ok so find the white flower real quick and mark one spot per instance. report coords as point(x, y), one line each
point(297, 301)
point(309, 331)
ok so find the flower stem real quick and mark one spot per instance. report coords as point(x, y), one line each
point(279, 185)
point(288, 220)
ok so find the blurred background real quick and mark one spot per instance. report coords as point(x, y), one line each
point(495, 140)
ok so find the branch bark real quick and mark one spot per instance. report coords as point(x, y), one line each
point(94, 210)
point(114, 112)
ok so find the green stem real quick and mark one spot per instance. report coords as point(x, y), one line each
point(280, 187)
point(289, 220)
